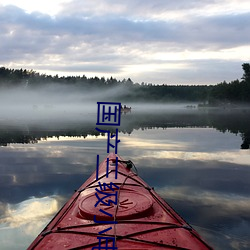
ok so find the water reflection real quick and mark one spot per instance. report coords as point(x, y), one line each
point(29, 210)
point(19, 222)
point(23, 131)
point(195, 166)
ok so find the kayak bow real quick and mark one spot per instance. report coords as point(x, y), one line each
point(122, 212)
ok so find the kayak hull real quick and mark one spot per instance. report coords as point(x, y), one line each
point(117, 209)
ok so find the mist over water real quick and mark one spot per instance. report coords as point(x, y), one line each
point(55, 102)
point(58, 107)
point(61, 102)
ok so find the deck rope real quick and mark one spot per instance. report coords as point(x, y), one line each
point(130, 174)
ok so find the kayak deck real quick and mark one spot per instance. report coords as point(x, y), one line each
point(117, 211)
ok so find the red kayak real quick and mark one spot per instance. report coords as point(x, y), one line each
point(116, 209)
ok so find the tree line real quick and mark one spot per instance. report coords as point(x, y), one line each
point(236, 91)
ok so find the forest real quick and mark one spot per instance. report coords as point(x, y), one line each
point(224, 93)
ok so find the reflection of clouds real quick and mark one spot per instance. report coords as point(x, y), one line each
point(236, 156)
point(228, 203)
point(53, 157)
point(149, 144)
point(29, 212)
point(222, 219)
point(22, 222)
point(202, 178)
point(45, 167)
point(226, 240)
point(186, 139)
point(2, 209)
point(202, 144)
point(161, 158)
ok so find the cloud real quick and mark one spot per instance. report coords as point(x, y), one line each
point(92, 37)
point(144, 10)
point(225, 31)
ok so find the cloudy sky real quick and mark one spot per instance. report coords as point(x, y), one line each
point(157, 41)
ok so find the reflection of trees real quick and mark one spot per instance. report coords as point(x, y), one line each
point(16, 137)
point(246, 141)
point(237, 122)
point(234, 121)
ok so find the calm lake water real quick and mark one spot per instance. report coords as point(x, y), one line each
point(193, 158)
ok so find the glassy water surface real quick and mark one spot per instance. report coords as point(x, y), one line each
point(193, 158)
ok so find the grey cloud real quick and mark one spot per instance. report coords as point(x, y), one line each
point(209, 71)
point(135, 8)
point(85, 68)
point(218, 31)
point(98, 39)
